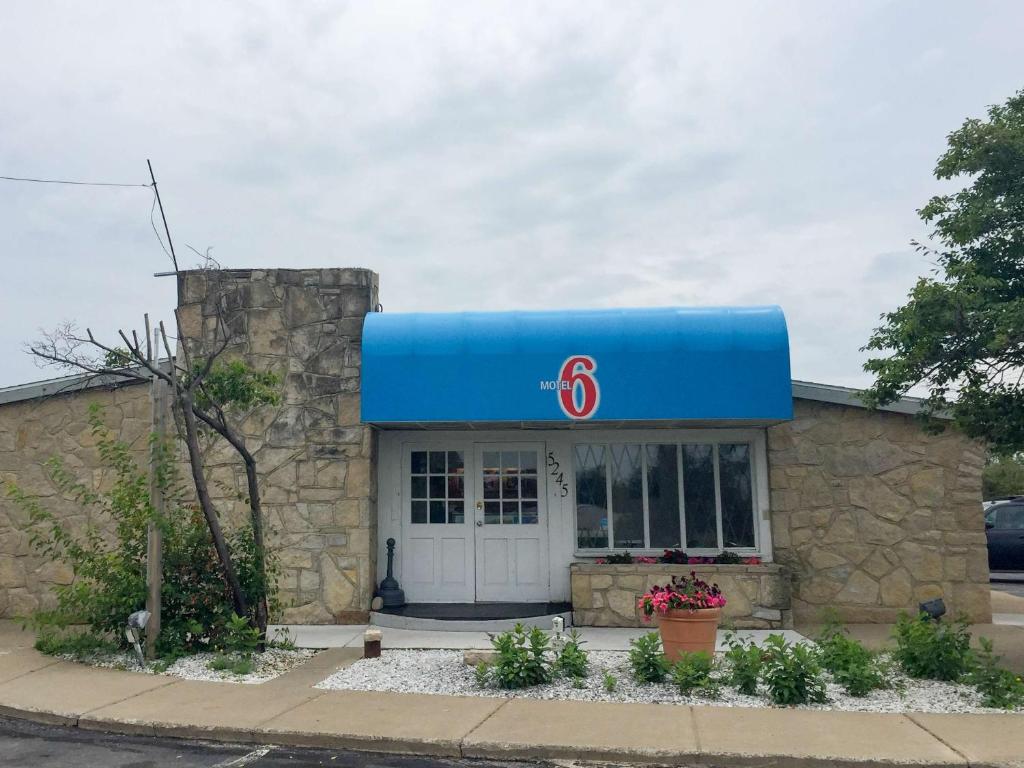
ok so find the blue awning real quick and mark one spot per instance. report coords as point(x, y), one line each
point(671, 364)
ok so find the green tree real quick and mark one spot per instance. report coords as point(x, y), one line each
point(211, 394)
point(1003, 476)
point(961, 332)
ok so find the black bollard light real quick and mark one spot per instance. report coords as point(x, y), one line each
point(390, 592)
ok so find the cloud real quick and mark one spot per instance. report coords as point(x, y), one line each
point(491, 155)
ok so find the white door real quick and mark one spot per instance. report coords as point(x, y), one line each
point(437, 561)
point(511, 523)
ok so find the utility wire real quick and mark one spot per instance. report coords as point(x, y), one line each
point(75, 183)
point(152, 210)
point(152, 223)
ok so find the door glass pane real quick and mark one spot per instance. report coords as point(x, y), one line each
point(492, 513)
point(455, 464)
point(737, 495)
point(419, 487)
point(528, 487)
point(509, 512)
point(437, 512)
point(510, 487)
point(663, 496)
point(437, 486)
point(530, 516)
point(699, 496)
point(492, 486)
point(455, 486)
point(419, 511)
point(418, 462)
point(591, 497)
point(491, 462)
point(510, 462)
point(528, 462)
point(456, 512)
point(437, 462)
point(627, 496)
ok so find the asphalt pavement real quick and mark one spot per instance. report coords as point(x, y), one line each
point(28, 744)
point(1010, 587)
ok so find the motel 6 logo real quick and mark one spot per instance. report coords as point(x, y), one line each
point(577, 387)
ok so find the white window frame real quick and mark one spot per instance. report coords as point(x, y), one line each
point(755, 438)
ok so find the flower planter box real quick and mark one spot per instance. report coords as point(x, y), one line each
point(606, 595)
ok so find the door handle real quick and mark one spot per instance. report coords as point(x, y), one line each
point(479, 523)
point(479, 505)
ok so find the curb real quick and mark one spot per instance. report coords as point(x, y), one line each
point(468, 749)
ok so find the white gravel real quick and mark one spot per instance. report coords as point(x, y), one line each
point(266, 666)
point(443, 672)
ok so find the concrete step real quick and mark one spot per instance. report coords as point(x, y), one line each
point(394, 621)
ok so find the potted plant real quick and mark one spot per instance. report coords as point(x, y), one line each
point(688, 610)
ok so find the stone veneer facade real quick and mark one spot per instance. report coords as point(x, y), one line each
point(33, 431)
point(871, 515)
point(606, 595)
point(314, 456)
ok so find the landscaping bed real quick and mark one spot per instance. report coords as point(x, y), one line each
point(265, 666)
point(931, 669)
point(444, 673)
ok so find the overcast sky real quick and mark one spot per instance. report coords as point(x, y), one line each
point(490, 155)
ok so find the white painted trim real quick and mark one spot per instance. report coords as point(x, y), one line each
point(562, 550)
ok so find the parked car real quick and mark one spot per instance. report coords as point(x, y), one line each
point(1004, 529)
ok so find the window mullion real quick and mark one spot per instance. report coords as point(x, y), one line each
point(718, 498)
point(644, 501)
point(682, 502)
point(608, 494)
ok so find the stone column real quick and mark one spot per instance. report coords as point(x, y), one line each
point(316, 460)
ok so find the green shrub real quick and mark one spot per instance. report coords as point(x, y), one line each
point(109, 572)
point(57, 642)
point(744, 661)
point(283, 640)
point(237, 665)
point(1001, 688)
point(932, 650)
point(240, 637)
point(521, 659)
point(854, 667)
point(610, 682)
point(728, 558)
point(571, 660)
point(482, 674)
point(791, 673)
point(692, 674)
point(646, 659)
point(618, 558)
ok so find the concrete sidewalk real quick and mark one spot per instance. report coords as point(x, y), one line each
point(289, 711)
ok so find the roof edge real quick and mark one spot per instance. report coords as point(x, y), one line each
point(802, 390)
point(66, 385)
point(833, 393)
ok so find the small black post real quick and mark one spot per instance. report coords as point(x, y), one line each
point(390, 592)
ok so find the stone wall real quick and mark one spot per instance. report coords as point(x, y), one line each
point(33, 431)
point(314, 456)
point(872, 516)
point(757, 596)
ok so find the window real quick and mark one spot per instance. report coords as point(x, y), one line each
point(1009, 517)
point(510, 487)
point(664, 496)
point(438, 487)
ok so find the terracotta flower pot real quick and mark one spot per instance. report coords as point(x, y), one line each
point(683, 630)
